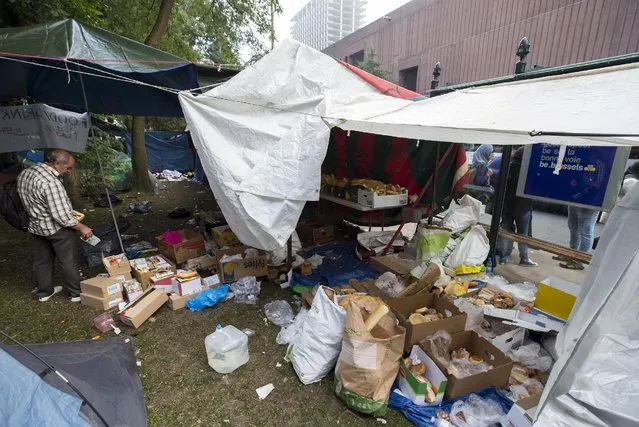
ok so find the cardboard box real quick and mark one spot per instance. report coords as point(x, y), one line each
point(187, 287)
point(556, 297)
point(101, 287)
point(205, 262)
point(415, 390)
point(192, 246)
point(224, 236)
point(496, 377)
point(454, 320)
point(133, 289)
point(372, 200)
point(164, 282)
point(521, 414)
point(137, 312)
point(312, 234)
point(106, 303)
point(154, 265)
point(177, 302)
point(124, 276)
point(394, 264)
point(535, 321)
point(211, 281)
point(116, 265)
point(502, 335)
point(232, 271)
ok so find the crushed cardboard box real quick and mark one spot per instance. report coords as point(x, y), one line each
point(192, 246)
point(137, 312)
point(224, 236)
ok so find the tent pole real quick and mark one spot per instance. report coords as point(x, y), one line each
point(106, 187)
point(433, 200)
point(419, 198)
point(500, 195)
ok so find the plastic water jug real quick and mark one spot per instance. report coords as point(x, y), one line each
point(226, 349)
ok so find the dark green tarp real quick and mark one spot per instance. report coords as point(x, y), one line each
point(36, 61)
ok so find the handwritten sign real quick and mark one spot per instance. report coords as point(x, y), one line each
point(589, 176)
point(27, 127)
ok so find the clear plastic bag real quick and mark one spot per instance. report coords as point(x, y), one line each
point(287, 333)
point(477, 412)
point(207, 298)
point(439, 344)
point(531, 387)
point(474, 313)
point(390, 284)
point(279, 312)
point(532, 356)
point(246, 290)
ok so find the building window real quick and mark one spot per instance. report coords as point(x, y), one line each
point(408, 78)
point(356, 58)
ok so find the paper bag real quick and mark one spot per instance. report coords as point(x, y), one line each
point(369, 361)
point(431, 242)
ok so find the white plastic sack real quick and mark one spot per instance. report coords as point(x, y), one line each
point(473, 250)
point(286, 334)
point(466, 214)
point(315, 349)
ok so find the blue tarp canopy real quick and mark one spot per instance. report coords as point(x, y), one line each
point(167, 150)
point(37, 61)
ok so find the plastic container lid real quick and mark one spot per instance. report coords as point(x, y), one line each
point(225, 339)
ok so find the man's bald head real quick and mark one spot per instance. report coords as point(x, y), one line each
point(60, 160)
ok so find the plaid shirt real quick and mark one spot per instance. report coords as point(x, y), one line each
point(45, 200)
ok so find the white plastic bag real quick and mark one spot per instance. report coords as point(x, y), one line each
point(315, 349)
point(279, 312)
point(390, 284)
point(473, 250)
point(466, 214)
point(474, 313)
point(532, 356)
point(287, 333)
point(477, 412)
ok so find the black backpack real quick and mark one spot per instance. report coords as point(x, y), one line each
point(11, 208)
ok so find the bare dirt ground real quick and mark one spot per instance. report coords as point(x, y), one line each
point(180, 388)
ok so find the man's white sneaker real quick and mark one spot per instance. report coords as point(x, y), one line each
point(75, 299)
point(56, 290)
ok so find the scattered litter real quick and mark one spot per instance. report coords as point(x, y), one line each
point(390, 284)
point(264, 391)
point(227, 421)
point(137, 351)
point(246, 290)
point(207, 298)
point(229, 258)
point(95, 338)
point(179, 213)
point(139, 363)
point(140, 207)
point(279, 312)
point(128, 340)
point(128, 236)
point(381, 421)
point(248, 332)
point(151, 319)
point(316, 260)
point(103, 201)
point(286, 334)
point(278, 365)
point(171, 175)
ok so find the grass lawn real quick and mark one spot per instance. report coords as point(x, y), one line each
point(179, 387)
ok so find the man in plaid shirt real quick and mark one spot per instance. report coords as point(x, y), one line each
point(52, 224)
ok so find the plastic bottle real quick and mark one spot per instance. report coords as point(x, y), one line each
point(226, 349)
point(489, 265)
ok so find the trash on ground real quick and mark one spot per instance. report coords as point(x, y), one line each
point(207, 298)
point(103, 201)
point(279, 313)
point(246, 290)
point(140, 207)
point(264, 391)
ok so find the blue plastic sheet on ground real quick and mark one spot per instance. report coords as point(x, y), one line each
point(339, 266)
point(421, 415)
point(208, 298)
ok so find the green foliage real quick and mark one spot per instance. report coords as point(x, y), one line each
point(371, 65)
point(105, 148)
point(16, 13)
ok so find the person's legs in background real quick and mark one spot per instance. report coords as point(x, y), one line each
point(64, 245)
point(573, 225)
point(523, 220)
point(587, 218)
point(505, 245)
point(43, 257)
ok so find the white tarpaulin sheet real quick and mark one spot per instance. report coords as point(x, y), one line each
point(595, 381)
point(602, 101)
point(26, 127)
point(263, 164)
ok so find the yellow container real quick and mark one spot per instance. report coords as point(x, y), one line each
point(468, 269)
point(557, 297)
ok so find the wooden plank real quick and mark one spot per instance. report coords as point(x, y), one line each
point(553, 248)
point(307, 297)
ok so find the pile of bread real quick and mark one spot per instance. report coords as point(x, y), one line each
point(424, 315)
point(497, 298)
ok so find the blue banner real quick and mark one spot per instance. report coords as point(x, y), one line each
point(583, 179)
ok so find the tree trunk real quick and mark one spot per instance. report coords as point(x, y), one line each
point(139, 158)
